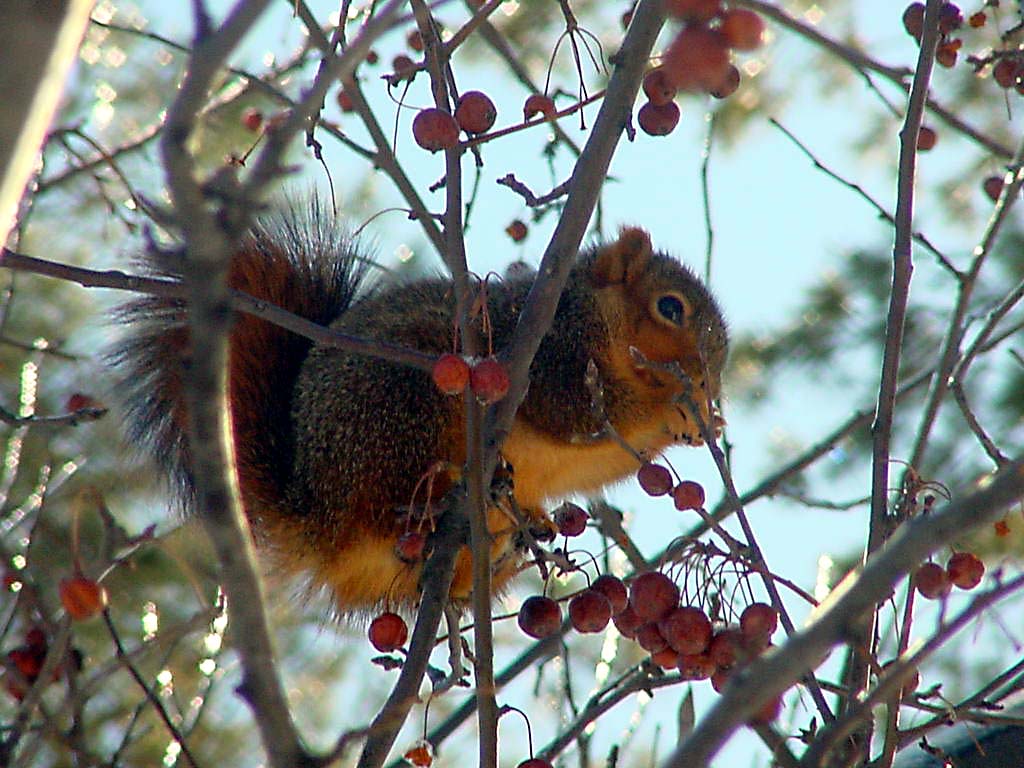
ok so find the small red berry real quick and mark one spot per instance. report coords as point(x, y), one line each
point(931, 581)
point(655, 479)
point(913, 20)
point(950, 18)
point(450, 373)
point(993, 187)
point(489, 380)
point(696, 666)
point(540, 617)
point(252, 119)
point(726, 648)
point(79, 401)
point(537, 104)
point(649, 637)
point(687, 629)
point(410, 547)
point(652, 595)
point(729, 85)
point(926, 138)
point(1005, 73)
point(571, 519)
point(516, 230)
point(658, 121)
point(758, 621)
point(475, 112)
point(627, 622)
point(659, 87)
point(697, 59)
point(414, 40)
point(345, 101)
point(372, 57)
point(613, 589)
point(434, 129)
point(977, 20)
point(421, 755)
point(590, 611)
point(82, 597)
point(946, 54)
point(688, 495)
point(965, 570)
point(403, 67)
point(388, 632)
point(742, 29)
point(534, 762)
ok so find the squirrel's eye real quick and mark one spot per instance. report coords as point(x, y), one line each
point(671, 308)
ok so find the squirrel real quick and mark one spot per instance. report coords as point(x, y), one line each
point(333, 448)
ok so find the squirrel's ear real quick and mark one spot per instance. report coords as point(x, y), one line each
point(623, 261)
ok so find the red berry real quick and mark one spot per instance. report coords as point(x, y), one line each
point(742, 29)
point(687, 629)
point(950, 18)
point(388, 632)
point(666, 658)
point(79, 401)
point(1005, 72)
point(35, 640)
point(913, 20)
point(993, 187)
point(693, 10)
point(570, 519)
point(696, 666)
point(977, 19)
point(421, 755)
point(450, 373)
point(659, 87)
point(758, 621)
point(652, 595)
point(590, 611)
point(965, 570)
point(655, 479)
point(726, 648)
point(540, 616)
point(403, 67)
point(536, 104)
point(627, 622)
point(414, 40)
point(252, 119)
point(698, 59)
point(345, 101)
point(410, 547)
point(434, 129)
point(729, 86)
point(82, 597)
point(372, 57)
point(650, 638)
point(614, 590)
point(931, 581)
point(946, 53)
point(475, 112)
point(926, 138)
point(688, 495)
point(658, 121)
point(28, 662)
point(489, 380)
point(516, 230)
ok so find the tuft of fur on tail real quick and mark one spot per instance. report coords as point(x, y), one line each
point(297, 258)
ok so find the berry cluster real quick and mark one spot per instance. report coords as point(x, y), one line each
point(963, 571)
point(698, 60)
point(486, 378)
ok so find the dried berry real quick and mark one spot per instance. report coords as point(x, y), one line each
point(537, 104)
point(450, 373)
point(913, 20)
point(926, 138)
point(516, 230)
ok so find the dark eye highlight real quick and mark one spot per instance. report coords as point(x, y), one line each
point(671, 308)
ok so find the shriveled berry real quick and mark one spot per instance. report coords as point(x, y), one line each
point(82, 597)
point(450, 373)
point(627, 622)
point(687, 629)
point(931, 581)
point(414, 40)
point(489, 380)
point(252, 119)
point(1005, 72)
point(613, 589)
point(946, 54)
point(696, 666)
point(657, 120)
point(516, 230)
point(655, 479)
point(950, 18)
point(965, 570)
point(993, 187)
point(729, 85)
point(688, 495)
point(652, 595)
point(913, 20)
point(743, 29)
point(475, 112)
point(403, 67)
point(649, 637)
point(658, 87)
point(540, 616)
point(571, 519)
point(758, 621)
point(388, 632)
point(434, 129)
point(926, 138)
point(538, 104)
point(693, 10)
point(590, 611)
point(345, 101)
point(410, 547)
point(697, 59)
point(977, 19)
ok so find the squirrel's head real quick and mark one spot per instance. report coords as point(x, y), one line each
point(667, 336)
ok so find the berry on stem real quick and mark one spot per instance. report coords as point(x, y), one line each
point(614, 590)
point(931, 581)
point(538, 104)
point(388, 632)
point(655, 479)
point(688, 495)
point(434, 129)
point(743, 29)
point(516, 230)
point(590, 611)
point(659, 87)
point(489, 380)
point(450, 373)
point(657, 120)
point(540, 617)
point(652, 595)
point(965, 570)
point(571, 519)
point(475, 112)
point(82, 597)
point(687, 629)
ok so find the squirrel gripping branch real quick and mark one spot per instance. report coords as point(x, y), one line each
point(333, 447)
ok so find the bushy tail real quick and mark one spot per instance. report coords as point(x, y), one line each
point(297, 260)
